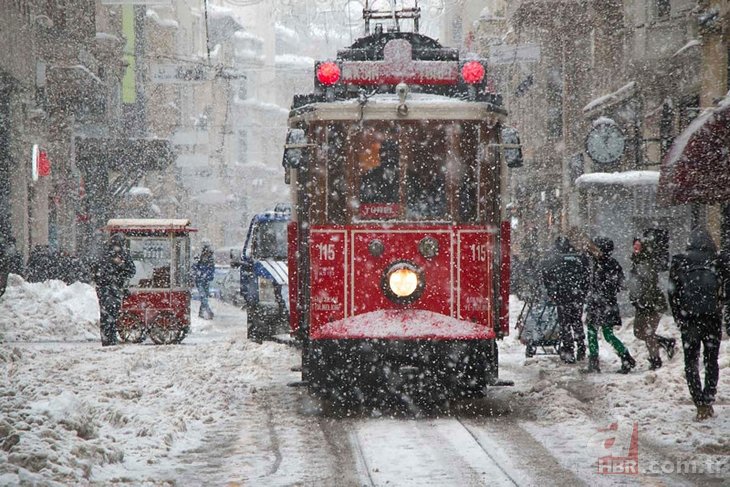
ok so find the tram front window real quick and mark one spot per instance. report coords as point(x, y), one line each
point(426, 179)
point(380, 183)
point(417, 171)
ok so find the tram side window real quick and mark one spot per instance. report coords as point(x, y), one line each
point(426, 180)
point(470, 155)
point(380, 183)
point(337, 191)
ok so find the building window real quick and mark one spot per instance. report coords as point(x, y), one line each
point(243, 146)
point(689, 108)
point(666, 128)
point(554, 95)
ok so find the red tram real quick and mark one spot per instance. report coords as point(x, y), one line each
point(398, 252)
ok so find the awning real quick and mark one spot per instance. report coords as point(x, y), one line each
point(124, 154)
point(697, 167)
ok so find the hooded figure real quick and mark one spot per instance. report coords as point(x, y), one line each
point(602, 311)
point(565, 276)
point(111, 273)
point(203, 273)
point(695, 282)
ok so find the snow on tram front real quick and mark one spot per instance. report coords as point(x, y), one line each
point(398, 252)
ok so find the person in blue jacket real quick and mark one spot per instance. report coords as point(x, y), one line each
point(203, 272)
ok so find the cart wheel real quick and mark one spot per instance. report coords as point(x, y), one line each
point(164, 329)
point(530, 351)
point(130, 328)
point(182, 333)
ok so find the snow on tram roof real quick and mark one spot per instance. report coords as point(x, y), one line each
point(148, 223)
point(383, 106)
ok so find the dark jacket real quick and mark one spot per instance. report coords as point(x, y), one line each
point(643, 283)
point(42, 265)
point(606, 281)
point(565, 273)
point(3, 271)
point(701, 252)
point(204, 269)
point(114, 267)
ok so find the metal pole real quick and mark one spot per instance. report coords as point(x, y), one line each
point(207, 34)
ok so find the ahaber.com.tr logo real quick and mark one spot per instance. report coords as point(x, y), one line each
point(616, 449)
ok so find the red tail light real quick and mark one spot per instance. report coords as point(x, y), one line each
point(328, 73)
point(472, 72)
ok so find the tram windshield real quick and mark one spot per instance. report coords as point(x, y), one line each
point(270, 241)
point(422, 171)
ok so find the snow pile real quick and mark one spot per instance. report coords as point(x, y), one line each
point(48, 310)
point(77, 413)
point(567, 406)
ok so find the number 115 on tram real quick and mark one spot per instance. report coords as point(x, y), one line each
point(398, 252)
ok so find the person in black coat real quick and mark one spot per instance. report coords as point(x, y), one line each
point(4, 270)
point(648, 301)
point(565, 275)
point(41, 264)
point(14, 257)
point(695, 283)
point(111, 273)
point(602, 311)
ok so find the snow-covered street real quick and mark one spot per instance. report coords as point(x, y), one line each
point(218, 410)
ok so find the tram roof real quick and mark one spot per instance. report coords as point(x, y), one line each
point(383, 106)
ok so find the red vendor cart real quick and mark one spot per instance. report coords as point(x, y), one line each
point(158, 301)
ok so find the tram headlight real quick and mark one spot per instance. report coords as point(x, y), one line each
point(403, 282)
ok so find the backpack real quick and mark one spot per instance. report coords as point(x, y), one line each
point(699, 289)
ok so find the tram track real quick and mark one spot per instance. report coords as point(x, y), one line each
point(408, 451)
point(486, 451)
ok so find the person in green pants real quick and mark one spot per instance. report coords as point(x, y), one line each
point(602, 310)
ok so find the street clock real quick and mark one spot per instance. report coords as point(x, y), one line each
point(605, 143)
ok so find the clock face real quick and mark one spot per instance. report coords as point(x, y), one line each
point(605, 143)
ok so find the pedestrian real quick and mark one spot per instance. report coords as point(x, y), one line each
point(648, 301)
point(14, 257)
point(695, 282)
point(40, 264)
point(111, 273)
point(4, 269)
point(203, 273)
point(565, 275)
point(602, 311)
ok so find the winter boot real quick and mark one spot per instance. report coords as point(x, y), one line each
point(627, 363)
point(704, 412)
point(567, 356)
point(669, 345)
point(655, 363)
point(593, 367)
point(580, 353)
